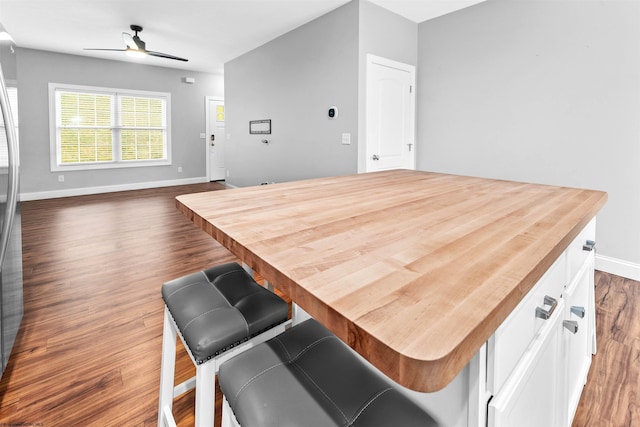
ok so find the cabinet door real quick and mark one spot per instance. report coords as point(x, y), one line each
point(512, 339)
point(577, 335)
point(532, 396)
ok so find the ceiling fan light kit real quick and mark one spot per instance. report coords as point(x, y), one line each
point(137, 48)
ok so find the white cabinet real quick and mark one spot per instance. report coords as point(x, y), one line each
point(532, 370)
point(538, 359)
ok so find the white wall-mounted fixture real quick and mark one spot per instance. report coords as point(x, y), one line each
point(189, 80)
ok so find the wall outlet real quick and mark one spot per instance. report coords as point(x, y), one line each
point(60, 178)
point(179, 169)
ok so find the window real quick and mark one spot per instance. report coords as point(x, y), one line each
point(93, 128)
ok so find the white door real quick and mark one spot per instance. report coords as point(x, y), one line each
point(215, 139)
point(390, 142)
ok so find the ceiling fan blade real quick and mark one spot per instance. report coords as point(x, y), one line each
point(165, 55)
point(115, 50)
point(129, 41)
point(136, 47)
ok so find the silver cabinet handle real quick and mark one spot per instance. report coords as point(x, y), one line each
point(545, 314)
point(571, 325)
point(589, 245)
point(578, 311)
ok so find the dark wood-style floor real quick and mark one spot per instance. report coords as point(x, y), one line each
point(88, 352)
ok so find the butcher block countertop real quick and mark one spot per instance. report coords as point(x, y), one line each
point(414, 270)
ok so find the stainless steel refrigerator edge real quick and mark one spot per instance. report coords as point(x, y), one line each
point(11, 300)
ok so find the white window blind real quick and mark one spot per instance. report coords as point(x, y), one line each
point(143, 124)
point(101, 127)
point(85, 127)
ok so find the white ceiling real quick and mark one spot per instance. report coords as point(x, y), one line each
point(207, 32)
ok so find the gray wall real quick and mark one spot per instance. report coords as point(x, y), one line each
point(386, 34)
point(293, 80)
point(538, 91)
point(382, 33)
point(37, 68)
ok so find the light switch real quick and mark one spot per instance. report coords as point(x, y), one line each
point(346, 139)
point(202, 136)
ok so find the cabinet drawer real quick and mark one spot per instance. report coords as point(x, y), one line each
point(576, 252)
point(513, 337)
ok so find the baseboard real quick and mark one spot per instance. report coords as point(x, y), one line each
point(618, 267)
point(108, 189)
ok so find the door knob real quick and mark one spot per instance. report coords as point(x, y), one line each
point(375, 157)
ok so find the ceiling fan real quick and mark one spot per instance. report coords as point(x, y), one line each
point(135, 46)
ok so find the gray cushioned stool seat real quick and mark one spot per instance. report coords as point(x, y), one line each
point(220, 307)
point(307, 377)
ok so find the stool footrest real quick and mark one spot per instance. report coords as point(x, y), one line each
point(184, 387)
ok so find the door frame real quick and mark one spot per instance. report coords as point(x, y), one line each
point(386, 62)
point(209, 130)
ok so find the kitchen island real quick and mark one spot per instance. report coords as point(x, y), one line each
point(415, 271)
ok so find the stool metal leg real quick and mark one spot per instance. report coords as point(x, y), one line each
point(228, 417)
point(205, 394)
point(169, 340)
point(298, 315)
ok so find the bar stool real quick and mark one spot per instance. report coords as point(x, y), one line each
point(308, 377)
point(218, 313)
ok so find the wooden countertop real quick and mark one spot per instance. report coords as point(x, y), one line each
point(414, 270)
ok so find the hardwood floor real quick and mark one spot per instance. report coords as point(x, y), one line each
point(88, 352)
point(610, 398)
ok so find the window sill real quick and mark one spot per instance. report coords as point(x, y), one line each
point(118, 165)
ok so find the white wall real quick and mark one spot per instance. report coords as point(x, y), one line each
point(539, 91)
point(37, 68)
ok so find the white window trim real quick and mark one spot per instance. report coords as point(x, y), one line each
point(53, 145)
